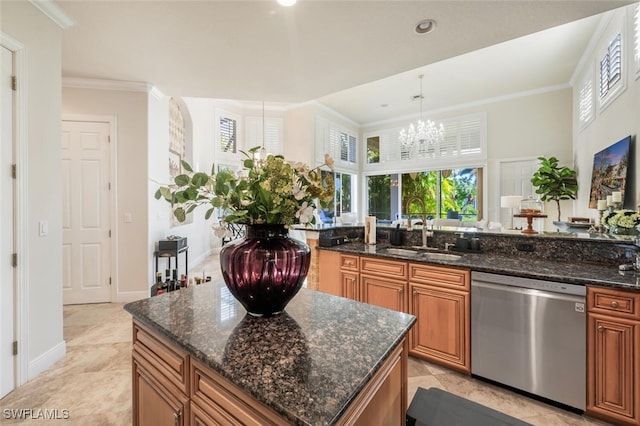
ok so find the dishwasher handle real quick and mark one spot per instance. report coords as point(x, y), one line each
point(529, 283)
point(527, 291)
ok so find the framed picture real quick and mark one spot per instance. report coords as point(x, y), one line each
point(610, 171)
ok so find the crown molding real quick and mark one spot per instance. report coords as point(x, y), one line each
point(53, 12)
point(156, 93)
point(325, 108)
point(94, 83)
point(486, 101)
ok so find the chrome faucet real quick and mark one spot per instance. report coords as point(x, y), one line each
point(424, 218)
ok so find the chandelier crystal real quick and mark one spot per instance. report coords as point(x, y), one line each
point(423, 136)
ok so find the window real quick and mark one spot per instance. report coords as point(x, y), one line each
point(611, 66)
point(465, 139)
point(228, 135)
point(442, 191)
point(373, 149)
point(340, 143)
point(345, 196)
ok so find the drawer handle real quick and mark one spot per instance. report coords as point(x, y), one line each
point(600, 328)
point(176, 417)
point(614, 304)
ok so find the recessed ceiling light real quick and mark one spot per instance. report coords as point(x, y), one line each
point(286, 2)
point(425, 26)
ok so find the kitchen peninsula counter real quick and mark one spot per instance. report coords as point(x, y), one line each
point(325, 360)
point(522, 265)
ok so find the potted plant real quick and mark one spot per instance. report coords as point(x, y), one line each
point(267, 268)
point(555, 183)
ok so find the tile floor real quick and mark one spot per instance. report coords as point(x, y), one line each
point(93, 382)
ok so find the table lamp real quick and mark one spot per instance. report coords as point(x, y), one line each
point(510, 202)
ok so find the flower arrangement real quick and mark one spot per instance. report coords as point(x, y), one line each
point(266, 191)
point(628, 219)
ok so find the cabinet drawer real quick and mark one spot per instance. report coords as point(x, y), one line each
point(225, 402)
point(614, 302)
point(170, 361)
point(458, 279)
point(349, 262)
point(386, 268)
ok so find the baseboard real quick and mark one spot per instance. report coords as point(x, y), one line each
point(130, 296)
point(47, 359)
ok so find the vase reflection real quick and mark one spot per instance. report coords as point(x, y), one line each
point(265, 352)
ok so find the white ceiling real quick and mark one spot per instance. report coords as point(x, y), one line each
point(352, 56)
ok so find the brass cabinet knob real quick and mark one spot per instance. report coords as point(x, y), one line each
point(600, 328)
point(614, 304)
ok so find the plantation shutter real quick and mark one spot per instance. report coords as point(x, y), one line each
point(273, 134)
point(636, 37)
point(228, 135)
point(611, 66)
point(585, 103)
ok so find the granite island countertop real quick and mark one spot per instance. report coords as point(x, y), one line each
point(307, 364)
point(582, 273)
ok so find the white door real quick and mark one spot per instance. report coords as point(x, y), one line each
point(86, 222)
point(7, 278)
point(515, 179)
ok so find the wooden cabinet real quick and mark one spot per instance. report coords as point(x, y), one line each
point(440, 300)
point(160, 381)
point(613, 355)
point(181, 391)
point(383, 283)
point(329, 272)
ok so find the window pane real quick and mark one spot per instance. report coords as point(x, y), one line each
point(380, 196)
point(423, 185)
point(327, 212)
point(459, 193)
point(346, 185)
point(373, 149)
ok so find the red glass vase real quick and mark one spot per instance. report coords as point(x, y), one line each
point(266, 269)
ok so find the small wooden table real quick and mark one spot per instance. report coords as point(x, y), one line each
point(530, 217)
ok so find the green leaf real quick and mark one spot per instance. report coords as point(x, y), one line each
point(199, 179)
point(182, 180)
point(248, 164)
point(158, 194)
point(180, 214)
point(208, 214)
point(186, 166)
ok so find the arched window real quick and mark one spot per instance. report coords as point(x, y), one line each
point(180, 142)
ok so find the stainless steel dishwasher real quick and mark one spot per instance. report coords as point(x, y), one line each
point(530, 335)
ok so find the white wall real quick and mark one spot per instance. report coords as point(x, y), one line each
point(620, 119)
point(42, 288)
point(130, 109)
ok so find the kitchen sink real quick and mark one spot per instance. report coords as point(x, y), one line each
point(420, 254)
point(440, 256)
point(399, 251)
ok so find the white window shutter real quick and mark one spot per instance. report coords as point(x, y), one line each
point(272, 131)
point(636, 38)
point(585, 103)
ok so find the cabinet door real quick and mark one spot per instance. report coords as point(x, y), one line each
point(329, 271)
point(441, 332)
point(350, 287)
point(156, 402)
point(613, 369)
point(384, 293)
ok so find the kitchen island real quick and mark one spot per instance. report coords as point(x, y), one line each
point(199, 359)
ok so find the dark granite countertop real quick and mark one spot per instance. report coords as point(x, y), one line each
point(307, 364)
point(523, 265)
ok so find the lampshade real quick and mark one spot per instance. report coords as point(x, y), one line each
point(510, 201)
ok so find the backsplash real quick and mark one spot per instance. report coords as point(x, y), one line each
point(547, 246)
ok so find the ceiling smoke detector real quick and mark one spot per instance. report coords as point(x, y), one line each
point(425, 26)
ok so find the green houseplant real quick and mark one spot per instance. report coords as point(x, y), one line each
point(265, 270)
point(555, 183)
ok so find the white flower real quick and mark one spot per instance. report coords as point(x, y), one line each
point(221, 232)
point(305, 214)
point(329, 162)
point(298, 191)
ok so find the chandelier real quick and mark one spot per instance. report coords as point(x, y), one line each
point(422, 135)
